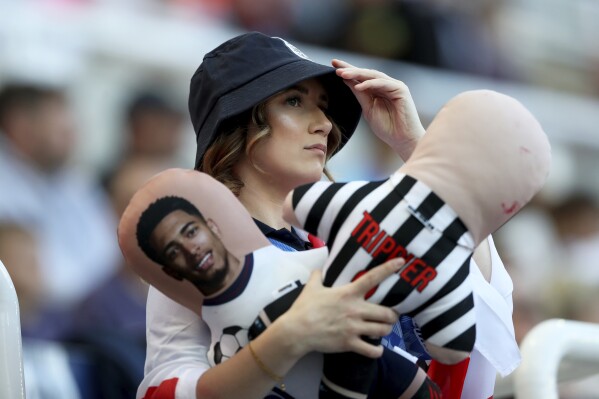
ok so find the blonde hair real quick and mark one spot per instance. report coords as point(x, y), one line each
point(233, 141)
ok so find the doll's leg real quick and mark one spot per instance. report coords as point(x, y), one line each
point(348, 375)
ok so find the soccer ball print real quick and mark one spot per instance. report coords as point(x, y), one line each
point(231, 341)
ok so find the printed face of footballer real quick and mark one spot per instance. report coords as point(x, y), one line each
point(192, 249)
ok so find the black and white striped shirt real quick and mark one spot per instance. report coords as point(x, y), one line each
point(366, 223)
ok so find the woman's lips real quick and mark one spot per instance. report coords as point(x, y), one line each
point(321, 148)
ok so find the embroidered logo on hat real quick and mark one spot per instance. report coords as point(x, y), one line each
point(291, 47)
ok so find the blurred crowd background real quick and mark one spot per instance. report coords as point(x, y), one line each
point(93, 103)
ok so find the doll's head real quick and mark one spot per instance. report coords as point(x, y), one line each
point(485, 155)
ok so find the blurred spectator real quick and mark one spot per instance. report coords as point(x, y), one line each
point(212, 8)
point(531, 249)
point(45, 362)
point(153, 127)
point(577, 224)
point(395, 30)
point(321, 22)
point(118, 305)
point(466, 40)
point(571, 299)
point(67, 212)
point(528, 312)
point(19, 251)
point(433, 33)
point(271, 17)
point(111, 320)
point(452, 35)
point(48, 371)
point(152, 130)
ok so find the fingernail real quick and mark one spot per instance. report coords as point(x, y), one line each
point(398, 263)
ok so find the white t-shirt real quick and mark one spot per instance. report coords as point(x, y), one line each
point(178, 342)
point(182, 346)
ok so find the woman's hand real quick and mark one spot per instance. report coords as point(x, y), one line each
point(387, 106)
point(331, 320)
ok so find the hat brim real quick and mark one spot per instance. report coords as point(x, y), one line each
point(344, 108)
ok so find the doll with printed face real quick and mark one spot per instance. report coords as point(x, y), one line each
point(482, 159)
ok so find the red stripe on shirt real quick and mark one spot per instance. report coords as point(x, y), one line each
point(315, 241)
point(166, 390)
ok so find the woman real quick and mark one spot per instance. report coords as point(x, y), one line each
point(266, 120)
point(246, 71)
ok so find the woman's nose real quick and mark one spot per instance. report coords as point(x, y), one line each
point(321, 123)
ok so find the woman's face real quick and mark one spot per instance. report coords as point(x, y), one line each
point(295, 151)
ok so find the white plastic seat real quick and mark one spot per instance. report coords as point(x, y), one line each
point(11, 358)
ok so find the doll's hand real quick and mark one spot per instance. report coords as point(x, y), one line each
point(387, 106)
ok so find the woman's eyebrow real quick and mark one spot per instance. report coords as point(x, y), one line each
point(304, 90)
point(300, 88)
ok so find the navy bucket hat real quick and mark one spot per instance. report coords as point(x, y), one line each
point(248, 69)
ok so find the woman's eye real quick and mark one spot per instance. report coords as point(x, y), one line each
point(294, 101)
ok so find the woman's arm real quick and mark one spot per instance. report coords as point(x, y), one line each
point(177, 343)
point(387, 106)
point(321, 320)
point(177, 366)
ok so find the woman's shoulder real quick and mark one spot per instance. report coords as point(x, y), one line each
point(159, 306)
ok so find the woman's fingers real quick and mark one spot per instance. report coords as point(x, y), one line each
point(391, 89)
point(339, 316)
point(364, 98)
point(370, 329)
point(361, 347)
point(378, 313)
point(387, 106)
point(337, 63)
point(368, 84)
point(315, 276)
point(350, 72)
point(361, 75)
point(376, 275)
